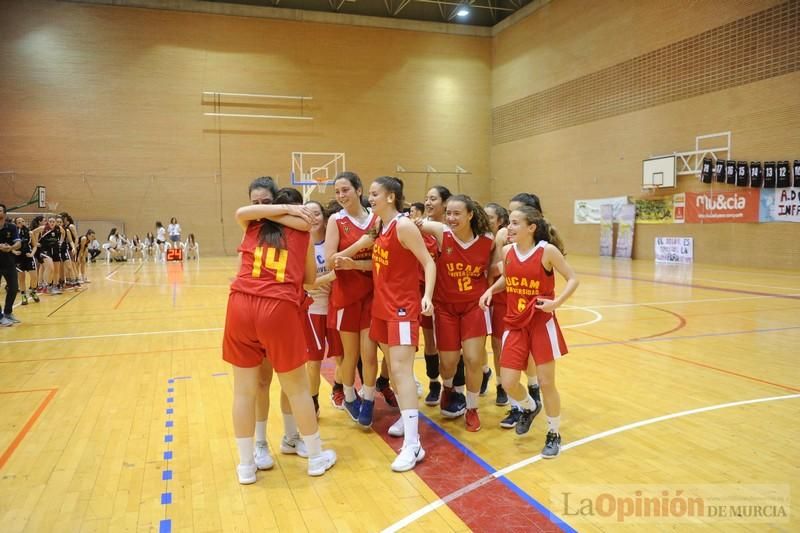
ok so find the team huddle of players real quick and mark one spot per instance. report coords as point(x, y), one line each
point(363, 274)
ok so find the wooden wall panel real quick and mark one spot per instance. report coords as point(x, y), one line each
point(602, 158)
point(103, 105)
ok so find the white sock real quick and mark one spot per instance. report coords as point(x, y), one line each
point(528, 403)
point(289, 425)
point(246, 449)
point(553, 423)
point(448, 382)
point(261, 430)
point(461, 388)
point(472, 400)
point(368, 393)
point(485, 369)
point(514, 403)
point(349, 393)
point(313, 444)
point(410, 426)
point(533, 381)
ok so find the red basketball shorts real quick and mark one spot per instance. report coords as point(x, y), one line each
point(394, 332)
point(454, 323)
point(352, 318)
point(322, 341)
point(258, 327)
point(542, 339)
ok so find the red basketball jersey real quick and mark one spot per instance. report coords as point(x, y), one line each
point(271, 272)
point(393, 268)
point(432, 245)
point(461, 268)
point(526, 281)
point(351, 285)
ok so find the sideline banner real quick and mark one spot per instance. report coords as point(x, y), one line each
point(674, 250)
point(780, 205)
point(606, 230)
point(588, 211)
point(625, 232)
point(711, 208)
point(655, 210)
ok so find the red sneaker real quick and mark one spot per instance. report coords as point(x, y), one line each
point(337, 398)
point(472, 420)
point(389, 396)
point(444, 397)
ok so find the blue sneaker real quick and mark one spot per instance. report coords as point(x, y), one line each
point(353, 408)
point(365, 415)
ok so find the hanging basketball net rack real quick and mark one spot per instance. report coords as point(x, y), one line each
point(220, 101)
point(431, 171)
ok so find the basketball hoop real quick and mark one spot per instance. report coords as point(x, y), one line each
point(321, 181)
point(52, 207)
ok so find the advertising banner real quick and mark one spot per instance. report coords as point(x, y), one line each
point(588, 211)
point(780, 205)
point(716, 207)
point(674, 250)
point(606, 230)
point(655, 210)
point(625, 233)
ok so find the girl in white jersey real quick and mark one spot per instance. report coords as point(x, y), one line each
point(322, 341)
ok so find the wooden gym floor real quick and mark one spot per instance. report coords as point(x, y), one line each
point(116, 415)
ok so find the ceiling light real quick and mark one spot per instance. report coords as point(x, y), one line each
point(463, 11)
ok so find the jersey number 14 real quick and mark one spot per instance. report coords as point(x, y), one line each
point(274, 259)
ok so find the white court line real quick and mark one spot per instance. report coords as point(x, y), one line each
point(141, 284)
point(700, 300)
point(110, 335)
point(536, 458)
point(597, 317)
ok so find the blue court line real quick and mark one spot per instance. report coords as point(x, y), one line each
point(547, 513)
point(680, 337)
point(165, 526)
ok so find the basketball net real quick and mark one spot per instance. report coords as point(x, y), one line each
point(322, 182)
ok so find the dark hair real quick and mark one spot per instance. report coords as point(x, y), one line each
point(419, 206)
point(502, 214)
point(271, 232)
point(355, 181)
point(264, 182)
point(89, 231)
point(395, 186)
point(444, 192)
point(5, 209)
point(112, 232)
point(191, 238)
point(325, 213)
point(528, 199)
point(159, 224)
point(544, 231)
point(333, 207)
point(171, 220)
point(288, 195)
point(479, 222)
point(37, 221)
point(65, 216)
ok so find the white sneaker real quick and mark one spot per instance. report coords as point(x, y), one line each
point(397, 429)
point(322, 462)
point(13, 319)
point(247, 474)
point(408, 458)
point(262, 457)
point(419, 388)
point(294, 445)
point(4, 322)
